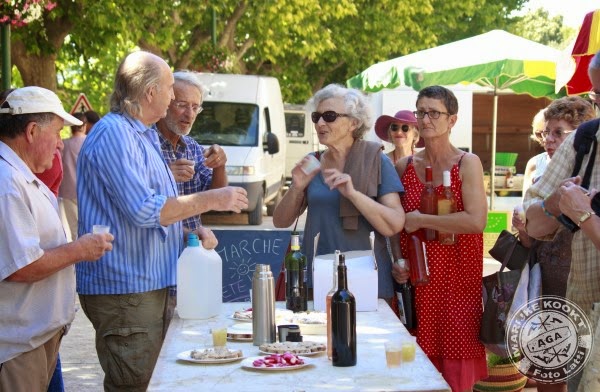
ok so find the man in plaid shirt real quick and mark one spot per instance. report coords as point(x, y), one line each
point(195, 169)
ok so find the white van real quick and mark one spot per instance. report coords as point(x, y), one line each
point(301, 136)
point(244, 115)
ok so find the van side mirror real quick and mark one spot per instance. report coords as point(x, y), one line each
point(272, 144)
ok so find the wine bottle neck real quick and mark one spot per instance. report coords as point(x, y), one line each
point(342, 279)
point(428, 175)
point(295, 242)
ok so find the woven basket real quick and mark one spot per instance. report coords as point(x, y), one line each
point(502, 378)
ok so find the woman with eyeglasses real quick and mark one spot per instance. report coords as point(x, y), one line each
point(561, 117)
point(536, 165)
point(353, 191)
point(400, 130)
point(449, 307)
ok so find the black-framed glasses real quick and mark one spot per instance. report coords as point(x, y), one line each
point(329, 116)
point(556, 133)
point(181, 105)
point(397, 127)
point(433, 114)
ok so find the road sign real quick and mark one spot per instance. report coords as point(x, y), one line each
point(81, 104)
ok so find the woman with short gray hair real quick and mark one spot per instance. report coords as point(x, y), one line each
point(353, 189)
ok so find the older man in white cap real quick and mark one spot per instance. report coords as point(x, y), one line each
point(37, 278)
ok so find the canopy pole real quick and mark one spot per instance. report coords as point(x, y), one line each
point(493, 168)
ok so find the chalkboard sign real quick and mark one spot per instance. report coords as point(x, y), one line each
point(241, 250)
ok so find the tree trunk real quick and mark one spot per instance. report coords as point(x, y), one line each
point(35, 70)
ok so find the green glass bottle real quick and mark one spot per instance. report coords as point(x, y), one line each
point(296, 274)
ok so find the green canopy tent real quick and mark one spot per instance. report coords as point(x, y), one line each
point(497, 61)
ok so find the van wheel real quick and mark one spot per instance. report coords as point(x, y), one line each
point(271, 206)
point(255, 217)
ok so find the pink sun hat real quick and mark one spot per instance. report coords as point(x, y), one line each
point(383, 122)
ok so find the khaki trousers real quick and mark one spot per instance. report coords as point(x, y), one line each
point(129, 335)
point(31, 371)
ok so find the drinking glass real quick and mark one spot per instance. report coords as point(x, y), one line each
point(219, 336)
point(393, 354)
point(408, 348)
point(100, 229)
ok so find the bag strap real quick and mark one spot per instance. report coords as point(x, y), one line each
point(585, 136)
point(590, 166)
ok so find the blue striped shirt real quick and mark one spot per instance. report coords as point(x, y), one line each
point(123, 182)
point(189, 149)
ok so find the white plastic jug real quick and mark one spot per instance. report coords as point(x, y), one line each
point(199, 281)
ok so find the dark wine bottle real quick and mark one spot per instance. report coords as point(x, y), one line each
point(296, 298)
point(405, 293)
point(328, 304)
point(429, 203)
point(343, 321)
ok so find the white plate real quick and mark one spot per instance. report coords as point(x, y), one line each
point(300, 354)
point(243, 320)
point(238, 339)
point(239, 329)
point(186, 356)
point(247, 364)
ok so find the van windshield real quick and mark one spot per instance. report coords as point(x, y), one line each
point(226, 124)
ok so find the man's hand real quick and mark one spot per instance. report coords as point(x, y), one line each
point(94, 246)
point(575, 200)
point(182, 169)
point(230, 198)
point(215, 157)
point(206, 235)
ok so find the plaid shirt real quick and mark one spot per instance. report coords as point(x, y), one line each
point(583, 286)
point(188, 148)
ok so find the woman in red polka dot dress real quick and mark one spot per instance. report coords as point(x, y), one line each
point(449, 307)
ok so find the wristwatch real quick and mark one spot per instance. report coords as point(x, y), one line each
point(587, 215)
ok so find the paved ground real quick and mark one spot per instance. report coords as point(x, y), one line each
point(81, 370)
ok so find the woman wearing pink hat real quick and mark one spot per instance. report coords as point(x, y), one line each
point(400, 130)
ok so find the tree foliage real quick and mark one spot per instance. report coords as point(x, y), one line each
point(538, 26)
point(304, 43)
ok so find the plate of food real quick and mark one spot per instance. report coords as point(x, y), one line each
point(299, 348)
point(241, 332)
point(211, 355)
point(310, 323)
point(276, 362)
point(244, 315)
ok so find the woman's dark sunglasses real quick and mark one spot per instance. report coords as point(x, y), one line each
point(396, 128)
point(329, 116)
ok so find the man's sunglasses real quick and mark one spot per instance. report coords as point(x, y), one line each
point(397, 127)
point(329, 116)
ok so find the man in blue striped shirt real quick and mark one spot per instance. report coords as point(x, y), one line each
point(123, 182)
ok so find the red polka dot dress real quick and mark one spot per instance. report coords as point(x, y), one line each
point(449, 307)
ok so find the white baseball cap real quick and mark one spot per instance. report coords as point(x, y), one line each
point(33, 99)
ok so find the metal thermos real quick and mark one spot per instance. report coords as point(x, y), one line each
point(263, 305)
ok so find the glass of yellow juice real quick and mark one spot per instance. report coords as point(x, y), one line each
point(393, 354)
point(219, 336)
point(408, 348)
